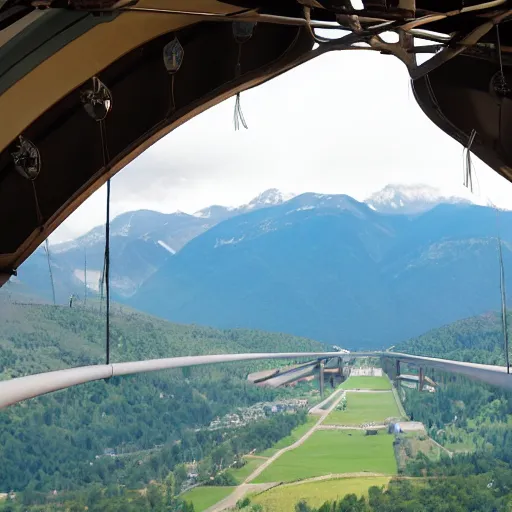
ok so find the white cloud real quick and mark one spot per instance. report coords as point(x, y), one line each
point(344, 123)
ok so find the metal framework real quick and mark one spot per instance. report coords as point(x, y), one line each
point(22, 388)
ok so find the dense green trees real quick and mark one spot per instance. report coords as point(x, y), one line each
point(153, 422)
point(478, 339)
point(474, 493)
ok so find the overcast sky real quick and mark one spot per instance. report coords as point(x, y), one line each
point(343, 123)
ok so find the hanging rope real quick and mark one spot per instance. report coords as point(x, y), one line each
point(504, 325)
point(106, 264)
point(47, 250)
point(242, 32)
point(98, 103)
point(503, 296)
point(85, 278)
point(173, 57)
point(468, 182)
point(27, 162)
point(468, 164)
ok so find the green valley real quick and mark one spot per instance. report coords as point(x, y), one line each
point(365, 408)
point(136, 443)
point(334, 452)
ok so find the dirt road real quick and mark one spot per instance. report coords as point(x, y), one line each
point(246, 486)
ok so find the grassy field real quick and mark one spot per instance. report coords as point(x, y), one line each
point(242, 473)
point(204, 497)
point(411, 444)
point(376, 383)
point(334, 452)
point(364, 408)
point(284, 498)
point(295, 434)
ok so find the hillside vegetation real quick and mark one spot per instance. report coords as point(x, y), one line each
point(478, 339)
point(153, 419)
point(321, 266)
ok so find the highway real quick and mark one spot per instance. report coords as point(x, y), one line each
point(22, 388)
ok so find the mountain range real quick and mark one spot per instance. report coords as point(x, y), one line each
point(140, 243)
point(326, 267)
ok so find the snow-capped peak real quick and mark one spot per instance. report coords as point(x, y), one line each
point(410, 199)
point(270, 197)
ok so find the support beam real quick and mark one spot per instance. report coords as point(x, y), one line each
point(21, 388)
point(321, 377)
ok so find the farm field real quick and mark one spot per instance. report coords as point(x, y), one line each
point(364, 408)
point(205, 496)
point(296, 434)
point(334, 452)
point(375, 383)
point(284, 498)
point(242, 473)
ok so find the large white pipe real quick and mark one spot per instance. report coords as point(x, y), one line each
point(21, 388)
point(488, 373)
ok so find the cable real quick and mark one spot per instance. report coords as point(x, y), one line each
point(47, 249)
point(85, 277)
point(504, 323)
point(468, 168)
point(97, 102)
point(503, 295)
point(106, 159)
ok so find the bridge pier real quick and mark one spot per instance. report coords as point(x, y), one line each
point(422, 379)
point(397, 369)
point(321, 377)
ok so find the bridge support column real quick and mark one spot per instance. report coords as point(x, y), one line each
point(397, 369)
point(321, 377)
point(422, 379)
point(340, 367)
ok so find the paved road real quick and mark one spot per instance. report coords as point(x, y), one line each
point(356, 390)
point(317, 409)
point(238, 494)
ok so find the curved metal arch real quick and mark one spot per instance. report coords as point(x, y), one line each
point(22, 388)
point(72, 167)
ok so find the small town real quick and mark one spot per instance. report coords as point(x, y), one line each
point(246, 415)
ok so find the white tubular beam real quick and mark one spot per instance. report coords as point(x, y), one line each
point(21, 388)
point(16, 390)
point(490, 374)
point(180, 362)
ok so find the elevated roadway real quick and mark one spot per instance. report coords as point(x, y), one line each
point(21, 388)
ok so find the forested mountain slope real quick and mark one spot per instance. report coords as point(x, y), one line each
point(477, 339)
point(53, 441)
point(331, 268)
